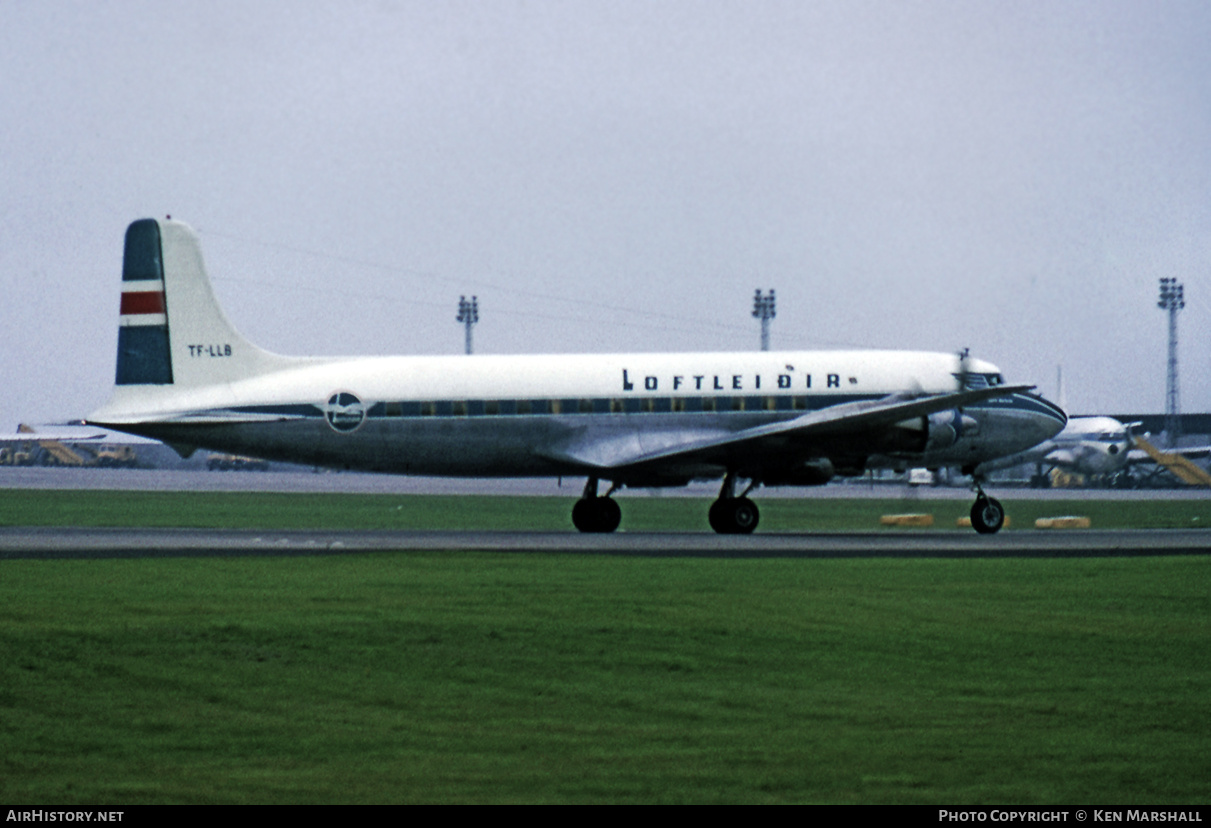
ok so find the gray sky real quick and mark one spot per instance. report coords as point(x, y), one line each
point(1013, 177)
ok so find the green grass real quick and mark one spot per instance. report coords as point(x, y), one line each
point(267, 510)
point(478, 678)
point(471, 677)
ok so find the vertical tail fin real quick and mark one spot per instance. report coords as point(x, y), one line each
point(173, 338)
point(143, 352)
point(171, 329)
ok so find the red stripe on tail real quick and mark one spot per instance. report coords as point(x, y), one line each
point(147, 301)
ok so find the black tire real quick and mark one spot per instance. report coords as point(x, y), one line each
point(611, 514)
point(599, 515)
point(987, 515)
point(735, 516)
point(583, 515)
point(716, 518)
point(745, 516)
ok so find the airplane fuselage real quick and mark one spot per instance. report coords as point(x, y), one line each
point(557, 414)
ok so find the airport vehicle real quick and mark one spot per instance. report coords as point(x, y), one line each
point(187, 377)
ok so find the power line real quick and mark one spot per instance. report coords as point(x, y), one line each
point(659, 320)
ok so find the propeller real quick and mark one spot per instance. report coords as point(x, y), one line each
point(964, 369)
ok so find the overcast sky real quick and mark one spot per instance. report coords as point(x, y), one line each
point(1012, 177)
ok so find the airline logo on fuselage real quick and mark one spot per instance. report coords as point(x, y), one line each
point(727, 382)
point(344, 412)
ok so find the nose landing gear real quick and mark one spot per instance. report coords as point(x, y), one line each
point(987, 514)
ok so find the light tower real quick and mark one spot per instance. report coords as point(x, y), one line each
point(763, 309)
point(1172, 300)
point(468, 314)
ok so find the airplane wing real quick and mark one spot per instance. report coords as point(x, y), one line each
point(689, 451)
point(1060, 457)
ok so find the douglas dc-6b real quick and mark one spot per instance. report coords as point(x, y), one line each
point(187, 377)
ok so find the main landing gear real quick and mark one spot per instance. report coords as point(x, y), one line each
point(729, 515)
point(732, 515)
point(595, 514)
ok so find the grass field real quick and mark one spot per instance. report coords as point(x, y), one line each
point(266, 510)
point(468, 677)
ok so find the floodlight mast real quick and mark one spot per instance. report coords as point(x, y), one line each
point(468, 315)
point(1172, 299)
point(763, 309)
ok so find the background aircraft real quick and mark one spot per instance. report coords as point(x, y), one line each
point(1103, 450)
point(69, 444)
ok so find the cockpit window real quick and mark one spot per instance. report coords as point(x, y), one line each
point(973, 381)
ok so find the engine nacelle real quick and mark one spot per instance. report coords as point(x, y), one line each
point(812, 473)
point(945, 428)
point(939, 430)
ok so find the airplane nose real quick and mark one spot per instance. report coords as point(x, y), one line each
point(1046, 418)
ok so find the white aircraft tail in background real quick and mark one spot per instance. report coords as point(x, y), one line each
point(187, 377)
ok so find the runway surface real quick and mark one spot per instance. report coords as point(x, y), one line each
point(25, 542)
point(80, 543)
point(36, 477)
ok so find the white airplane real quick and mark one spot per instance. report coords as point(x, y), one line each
point(187, 377)
point(1096, 447)
point(1090, 446)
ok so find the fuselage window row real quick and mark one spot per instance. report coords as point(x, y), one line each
point(598, 405)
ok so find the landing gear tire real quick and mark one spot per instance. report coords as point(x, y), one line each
point(599, 515)
point(987, 515)
point(734, 516)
